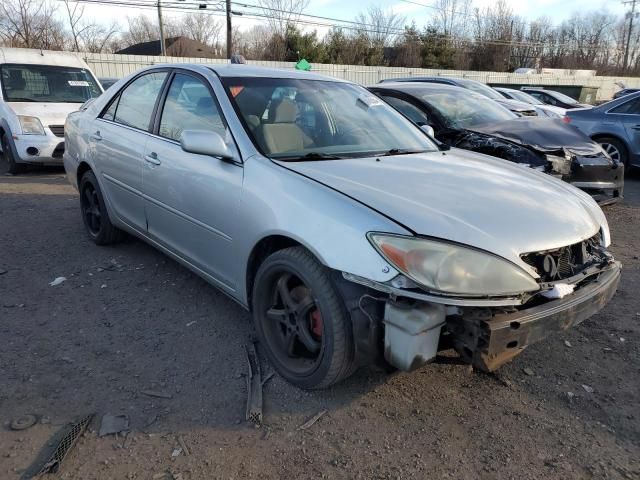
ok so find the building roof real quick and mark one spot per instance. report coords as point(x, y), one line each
point(175, 46)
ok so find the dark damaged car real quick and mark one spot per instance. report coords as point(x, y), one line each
point(463, 119)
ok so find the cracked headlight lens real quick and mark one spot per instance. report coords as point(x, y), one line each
point(452, 269)
point(561, 165)
point(31, 125)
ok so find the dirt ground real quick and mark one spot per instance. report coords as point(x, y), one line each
point(129, 320)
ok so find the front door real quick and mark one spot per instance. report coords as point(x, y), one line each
point(191, 199)
point(119, 136)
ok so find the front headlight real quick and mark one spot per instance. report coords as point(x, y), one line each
point(31, 125)
point(450, 268)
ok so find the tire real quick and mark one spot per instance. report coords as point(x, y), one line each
point(94, 213)
point(616, 149)
point(7, 155)
point(321, 317)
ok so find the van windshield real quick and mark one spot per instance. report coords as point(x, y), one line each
point(47, 83)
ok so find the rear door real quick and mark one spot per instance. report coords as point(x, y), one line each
point(119, 136)
point(191, 199)
point(627, 116)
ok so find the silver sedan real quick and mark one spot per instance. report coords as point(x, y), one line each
point(349, 233)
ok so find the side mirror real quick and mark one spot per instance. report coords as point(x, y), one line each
point(428, 129)
point(205, 142)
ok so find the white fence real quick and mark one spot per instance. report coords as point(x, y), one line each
point(112, 65)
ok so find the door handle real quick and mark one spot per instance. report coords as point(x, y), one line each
point(152, 158)
point(96, 136)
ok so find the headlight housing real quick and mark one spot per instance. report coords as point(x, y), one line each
point(561, 165)
point(31, 125)
point(452, 269)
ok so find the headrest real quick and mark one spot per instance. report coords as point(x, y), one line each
point(285, 112)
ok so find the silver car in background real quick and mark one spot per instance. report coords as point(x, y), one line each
point(349, 233)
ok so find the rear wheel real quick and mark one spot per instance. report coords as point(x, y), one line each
point(301, 320)
point(616, 149)
point(7, 155)
point(94, 213)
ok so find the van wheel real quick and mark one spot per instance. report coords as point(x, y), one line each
point(301, 320)
point(94, 213)
point(7, 155)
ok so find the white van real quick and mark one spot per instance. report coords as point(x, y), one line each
point(38, 89)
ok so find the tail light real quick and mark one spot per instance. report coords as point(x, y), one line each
point(566, 119)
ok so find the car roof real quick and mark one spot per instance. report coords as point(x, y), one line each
point(33, 56)
point(417, 88)
point(420, 79)
point(244, 70)
point(505, 89)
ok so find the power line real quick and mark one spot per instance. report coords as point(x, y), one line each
point(183, 7)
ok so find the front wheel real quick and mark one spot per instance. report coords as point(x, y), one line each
point(7, 155)
point(301, 320)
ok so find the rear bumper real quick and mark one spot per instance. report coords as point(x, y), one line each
point(504, 336)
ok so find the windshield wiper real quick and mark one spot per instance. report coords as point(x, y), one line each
point(22, 99)
point(399, 151)
point(310, 156)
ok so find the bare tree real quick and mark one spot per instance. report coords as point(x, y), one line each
point(281, 13)
point(452, 17)
point(381, 26)
point(201, 27)
point(30, 24)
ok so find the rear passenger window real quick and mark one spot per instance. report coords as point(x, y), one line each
point(189, 106)
point(630, 107)
point(135, 106)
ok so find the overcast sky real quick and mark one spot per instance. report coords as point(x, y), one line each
point(557, 10)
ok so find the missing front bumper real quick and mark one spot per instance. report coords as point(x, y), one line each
point(488, 340)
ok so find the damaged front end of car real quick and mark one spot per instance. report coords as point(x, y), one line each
point(410, 321)
point(585, 166)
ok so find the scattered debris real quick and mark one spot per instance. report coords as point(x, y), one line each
point(191, 323)
point(567, 343)
point(111, 424)
point(151, 420)
point(588, 389)
point(3, 271)
point(254, 387)
point(160, 475)
point(622, 339)
point(312, 420)
point(183, 445)
point(571, 395)
point(528, 371)
point(155, 393)
point(607, 349)
point(24, 422)
point(104, 285)
point(66, 443)
point(58, 281)
point(176, 452)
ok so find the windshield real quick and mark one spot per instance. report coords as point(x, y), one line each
point(467, 111)
point(525, 97)
point(481, 88)
point(47, 83)
point(562, 97)
point(316, 120)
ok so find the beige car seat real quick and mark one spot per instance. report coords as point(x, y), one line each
point(282, 134)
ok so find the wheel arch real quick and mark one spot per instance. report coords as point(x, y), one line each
point(83, 167)
point(614, 136)
point(261, 250)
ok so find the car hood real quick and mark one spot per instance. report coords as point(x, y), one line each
point(543, 134)
point(515, 105)
point(466, 197)
point(552, 108)
point(48, 113)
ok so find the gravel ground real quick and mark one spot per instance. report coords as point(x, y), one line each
point(128, 320)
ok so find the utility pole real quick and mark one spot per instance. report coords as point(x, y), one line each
point(229, 46)
point(163, 49)
point(631, 15)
